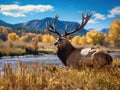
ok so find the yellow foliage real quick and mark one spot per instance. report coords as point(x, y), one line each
point(24, 38)
point(106, 40)
point(13, 37)
point(31, 34)
point(114, 32)
point(79, 40)
point(28, 37)
point(48, 38)
point(83, 40)
point(95, 37)
point(75, 40)
point(38, 37)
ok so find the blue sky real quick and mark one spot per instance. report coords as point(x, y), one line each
point(104, 11)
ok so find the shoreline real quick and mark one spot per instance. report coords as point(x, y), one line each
point(26, 55)
point(113, 54)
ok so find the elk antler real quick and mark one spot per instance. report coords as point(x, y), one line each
point(51, 25)
point(84, 22)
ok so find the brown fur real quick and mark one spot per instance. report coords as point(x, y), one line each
point(71, 56)
point(101, 58)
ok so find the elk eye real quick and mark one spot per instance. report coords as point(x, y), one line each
point(60, 40)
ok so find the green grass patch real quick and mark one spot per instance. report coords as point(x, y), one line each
point(47, 51)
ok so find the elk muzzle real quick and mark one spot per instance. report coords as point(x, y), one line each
point(56, 43)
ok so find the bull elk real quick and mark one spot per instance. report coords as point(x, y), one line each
point(76, 57)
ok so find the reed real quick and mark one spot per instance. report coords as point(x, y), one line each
point(37, 76)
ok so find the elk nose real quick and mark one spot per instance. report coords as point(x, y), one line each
point(55, 43)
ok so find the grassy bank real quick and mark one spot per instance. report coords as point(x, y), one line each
point(12, 52)
point(50, 77)
point(10, 48)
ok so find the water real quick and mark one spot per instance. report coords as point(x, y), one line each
point(47, 59)
point(115, 54)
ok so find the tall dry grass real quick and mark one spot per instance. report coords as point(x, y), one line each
point(50, 77)
point(10, 48)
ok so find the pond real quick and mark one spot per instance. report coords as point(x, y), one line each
point(47, 59)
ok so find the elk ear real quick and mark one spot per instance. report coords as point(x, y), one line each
point(58, 37)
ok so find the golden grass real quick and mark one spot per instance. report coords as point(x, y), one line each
point(12, 48)
point(11, 52)
point(47, 48)
point(50, 77)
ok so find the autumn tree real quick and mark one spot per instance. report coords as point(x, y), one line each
point(13, 37)
point(106, 40)
point(27, 37)
point(83, 40)
point(75, 40)
point(114, 33)
point(80, 40)
point(95, 37)
point(48, 38)
point(38, 37)
point(24, 38)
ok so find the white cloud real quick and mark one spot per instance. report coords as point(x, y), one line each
point(99, 16)
point(114, 12)
point(96, 17)
point(21, 11)
point(92, 21)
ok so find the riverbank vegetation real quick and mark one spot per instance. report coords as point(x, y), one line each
point(50, 77)
point(17, 48)
point(19, 42)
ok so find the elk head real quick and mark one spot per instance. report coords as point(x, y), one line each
point(61, 40)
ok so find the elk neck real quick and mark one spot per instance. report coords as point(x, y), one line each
point(64, 52)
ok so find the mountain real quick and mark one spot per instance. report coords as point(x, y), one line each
point(34, 24)
point(40, 25)
point(3, 23)
point(89, 29)
point(105, 30)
